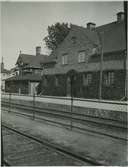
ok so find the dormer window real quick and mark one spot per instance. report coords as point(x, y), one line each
point(65, 59)
point(73, 39)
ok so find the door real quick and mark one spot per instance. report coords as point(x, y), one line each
point(68, 86)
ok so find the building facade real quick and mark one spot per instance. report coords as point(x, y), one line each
point(27, 74)
point(89, 63)
point(4, 75)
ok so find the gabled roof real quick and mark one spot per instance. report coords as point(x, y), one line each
point(113, 35)
point(31, 60)
point(92, 36)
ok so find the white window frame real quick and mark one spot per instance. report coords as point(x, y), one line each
point(109, 78)
point(81, 57)
point(65, 59)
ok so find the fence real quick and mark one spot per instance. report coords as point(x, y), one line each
point(79, 102)
point(70, 112)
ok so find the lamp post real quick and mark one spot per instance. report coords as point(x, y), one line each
point(71, 81)
point(2, 151)
point(9, 102)
point(125, 59)
point(71, 74)
point(33, 105)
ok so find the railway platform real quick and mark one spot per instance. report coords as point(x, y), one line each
point(103, 149)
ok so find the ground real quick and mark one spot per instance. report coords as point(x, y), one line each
point(106, 150)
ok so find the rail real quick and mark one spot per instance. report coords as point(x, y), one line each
point(65, 118)
point(54, 146)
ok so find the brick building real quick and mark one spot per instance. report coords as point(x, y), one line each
point(28, 73)
point(93, 58)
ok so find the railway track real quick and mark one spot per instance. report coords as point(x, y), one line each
point(62, 117)
point(21, 148)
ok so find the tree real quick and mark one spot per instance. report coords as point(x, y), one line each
point(56, 34)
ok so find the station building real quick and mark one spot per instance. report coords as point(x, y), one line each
point(90, 60)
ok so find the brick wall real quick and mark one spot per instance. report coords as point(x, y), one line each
point(114, 91)
point(113, 61)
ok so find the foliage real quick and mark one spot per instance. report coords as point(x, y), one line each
point(56, 34)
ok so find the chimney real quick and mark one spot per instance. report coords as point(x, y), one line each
point(38, 50)
point(2, 65)
point(120, 16)
point(91, 26)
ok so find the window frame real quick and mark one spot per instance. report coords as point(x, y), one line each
point(86, 79)
point(82, 59)
point(109, 78)
point(64, 59)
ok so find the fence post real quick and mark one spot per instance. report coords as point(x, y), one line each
point(71, 110)
point(71, 100)
point(9, 102)
point(2, 151)
point(33, 105)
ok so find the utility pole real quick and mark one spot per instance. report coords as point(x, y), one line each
point(2, 151)
point(125, 59)
point(101, 39)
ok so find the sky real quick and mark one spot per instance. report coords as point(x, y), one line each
point(24, 24)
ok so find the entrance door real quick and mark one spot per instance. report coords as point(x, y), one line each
point(68, 86)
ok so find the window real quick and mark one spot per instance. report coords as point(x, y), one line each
point(73, 39)
point(37, 71)
point(87, 79)
point(94, 50)
point(108, 78)
point(65, 59)
point(81, 57)
point(56, 81)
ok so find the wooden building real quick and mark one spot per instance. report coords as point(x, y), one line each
point(28, 74)
point(4, 75)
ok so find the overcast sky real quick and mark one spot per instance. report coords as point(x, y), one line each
point(24, 24)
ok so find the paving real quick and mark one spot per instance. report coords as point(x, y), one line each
point(20, 151)
point(106, 150)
